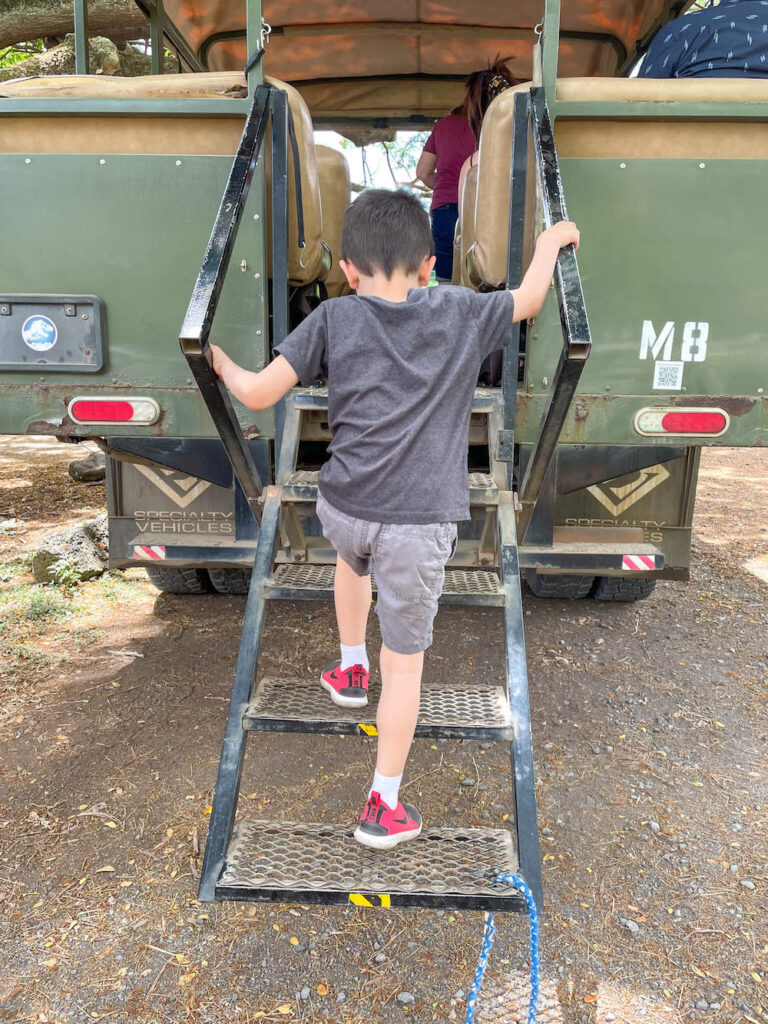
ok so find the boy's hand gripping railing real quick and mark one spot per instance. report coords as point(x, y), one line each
point(205, 297)
point(577, 340)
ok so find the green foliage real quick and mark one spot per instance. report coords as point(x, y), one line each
point(403, 154)
point(45, 603)
point(11, 55)
point(63, 574)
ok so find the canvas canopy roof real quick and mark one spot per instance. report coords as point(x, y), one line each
point(407, 39)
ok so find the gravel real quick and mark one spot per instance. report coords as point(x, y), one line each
point(406, 998)
point(632, 926)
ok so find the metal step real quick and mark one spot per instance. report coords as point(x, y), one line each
point(291, 862)
point(308, 582)
point(455, 711)
point(302, 486)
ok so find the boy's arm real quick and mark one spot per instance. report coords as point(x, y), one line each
point(529, 297)
point(259, 390)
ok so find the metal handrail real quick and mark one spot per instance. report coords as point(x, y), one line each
point(203, 304)
point(577, 340)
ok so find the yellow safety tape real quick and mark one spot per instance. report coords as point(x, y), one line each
point(382, 900)
point(369, 730)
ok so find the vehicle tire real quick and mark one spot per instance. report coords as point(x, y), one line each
point(178, 581)
point(622, 588)
point(558, 586)
point(230, 581)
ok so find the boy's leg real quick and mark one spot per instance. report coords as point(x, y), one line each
point(347, 679)
point(352, 599)
point(410, 568)
point(398, 709)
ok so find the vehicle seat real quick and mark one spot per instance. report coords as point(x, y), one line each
point(335, 196)
point(177, 136)
point(615, 138)
point(464, 236)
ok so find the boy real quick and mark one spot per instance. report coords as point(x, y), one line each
point(401, 362)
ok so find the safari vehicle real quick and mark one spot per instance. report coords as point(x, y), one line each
point(583, 456)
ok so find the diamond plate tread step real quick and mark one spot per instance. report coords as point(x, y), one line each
point(447, 710)
point(316, 863)
point(306, 581)
point(302, 486)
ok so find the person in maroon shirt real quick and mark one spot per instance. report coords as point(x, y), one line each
point(455, 138)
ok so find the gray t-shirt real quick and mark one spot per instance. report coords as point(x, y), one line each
point(401, 377)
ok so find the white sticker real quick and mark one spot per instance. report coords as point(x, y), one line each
point(39, 333)
point(668, 376)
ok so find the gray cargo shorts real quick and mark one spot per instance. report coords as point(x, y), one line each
point(409, 564)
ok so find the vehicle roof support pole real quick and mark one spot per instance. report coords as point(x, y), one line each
point(156, 41)
point(549, 45)
point(81, 37)
point(255, 40)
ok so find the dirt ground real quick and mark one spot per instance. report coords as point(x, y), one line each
point(651, 741)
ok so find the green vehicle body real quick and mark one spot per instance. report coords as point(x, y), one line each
point(670, 263)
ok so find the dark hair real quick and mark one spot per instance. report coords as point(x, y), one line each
point(384, 230)
point(481, 88)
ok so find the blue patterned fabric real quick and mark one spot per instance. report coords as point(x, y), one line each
point(727, 41)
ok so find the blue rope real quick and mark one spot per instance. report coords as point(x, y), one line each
point(488, 940)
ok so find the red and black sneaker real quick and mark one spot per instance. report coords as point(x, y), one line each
point(381, 827)
point(348, 689)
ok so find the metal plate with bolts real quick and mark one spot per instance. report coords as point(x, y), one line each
point(51, 333)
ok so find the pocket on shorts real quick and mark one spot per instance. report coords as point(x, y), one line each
point(411, 559)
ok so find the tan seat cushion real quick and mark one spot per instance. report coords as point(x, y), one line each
point(335, 195)
point(617, 138)
point(210, 85)
point(467, 226)
point(314, 262)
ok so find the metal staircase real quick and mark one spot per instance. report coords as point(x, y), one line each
point(319, 862)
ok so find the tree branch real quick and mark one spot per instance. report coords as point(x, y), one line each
point(22, 20)
point(104, 58)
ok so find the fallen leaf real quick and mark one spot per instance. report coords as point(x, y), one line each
point(322, 990)
point(208, 809)
point(756, 977)
point(186, 978)
point(51, 964)
point(107, 867)
point(591, 997)
point(110, 824)
point(293, 940)
point(285, 1008)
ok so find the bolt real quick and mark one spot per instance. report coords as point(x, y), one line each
point(243, 266)
point(84, 316)
point(87, 351)
point(759, 391)
point(257, 276)
point(623, 167)
point(27, 161)
point(255, 216)
point(102, 162)
point(702, 166)
point(178, 163)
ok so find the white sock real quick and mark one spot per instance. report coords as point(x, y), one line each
point(354, 656)
point(388, 787)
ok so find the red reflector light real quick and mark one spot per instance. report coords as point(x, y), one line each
point(666, 422)
point(103, 409)
point(694, 422)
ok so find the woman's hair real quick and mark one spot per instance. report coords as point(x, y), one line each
point(481, 88)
